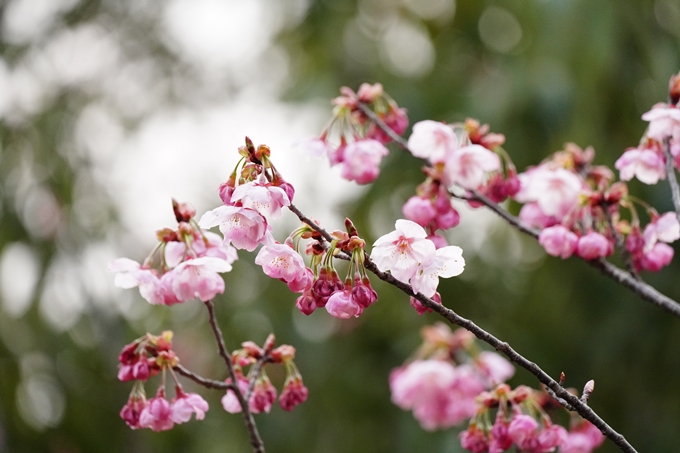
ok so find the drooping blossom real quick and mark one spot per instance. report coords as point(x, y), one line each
point(294, 392)
point(645, 164)
point(186, 404)
point(198, 278)
point(433, 141)
point(131, 274)
point(583, 438)
point(263, 197)
point(157, 413)
point(342, 305)
point(402, 251)
point(244, 227)
point(558, 241)
point(263, 396)
point(230, 402)
point(474, 439)
point(420, 308)
point(468, 166)
point(132, 410)
point(593, 245)
point(448, 262)
point(499, 440)
point(658, 257)
point(665, 228)
point(361, 161)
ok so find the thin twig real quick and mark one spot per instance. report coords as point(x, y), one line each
point(672, 180)
point(572, 403)
point(255, 439)
point(645, 291)
point(208, 383)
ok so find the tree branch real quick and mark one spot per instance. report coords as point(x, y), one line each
point(208, 383)
point(643, 290)
point(255, 439)
point(562, 396)
point(672, 180)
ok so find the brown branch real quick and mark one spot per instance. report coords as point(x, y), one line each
point(643, 290)
point(207, 383)
point(255, 439)
point(672, 180)
point(562, 396)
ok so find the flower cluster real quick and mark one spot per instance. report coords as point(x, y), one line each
point(442, 383)
point(146, 357)
point(362, 142)
point(189, 262)
point(263, 393)
point(522, 422)
point(413, 258)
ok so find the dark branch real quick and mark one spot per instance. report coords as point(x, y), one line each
point(208, 383)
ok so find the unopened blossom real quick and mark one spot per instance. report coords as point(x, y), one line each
point(198, 278)
point(664, 122)
point(645, 164)
point(468, 166)
point(447, 216)
point(342, 305)
point(263, 197)
point(658, 257)
point(186, 404)
point(420, 210)
point(448, 262)
point(294, 392)
point(363, 293)
point(361, 162)
point(556, 191)
point(402, 251)
point(474, 439)
point(282, 262)
point(245, 228)
point(262, 397)
point(306, 303)
point(500, 440)
point(157, 413)
point(593, 245)
point(132, 410)
point(420, 308)
point(433, 141)
point(558, 241)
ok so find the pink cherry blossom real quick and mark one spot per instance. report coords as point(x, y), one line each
point(664, 122)
point(474, 439)
point(584, 438)
point(186, 404)
point(558, 241)
point(645, 164)
point(131, 274)
point(131, 412)
point(438, 241)
point(468, 166)
point(157, 413)
point(658, 257)
point(532, 215)
point(593, 245)
point(420, 308)
point(244, 227)
point(402, 251)
point(556, 191)
point(230, 402)
point(263, 396)
point(361, 161)
point(497, 368)
point(342, 305)
point(302, 282)
point(550, 437)
point(420, 210)
point(500, 440)
point(396, 120)
point(448, 262)
point(522, 430)
point(262, 197)
point(294, 393)
point(281, 261)
point(665, 228)
point(198, 278)
point(433, 141)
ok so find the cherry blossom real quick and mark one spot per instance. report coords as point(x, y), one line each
point(645, 164)
point(342, 305)
point(361, 162)
point(198, 278)
point(131, 412)
point(230, 402)
point(420, 210)
point(157, 413)
point(281, 261)
point(433, 141)
point(468, 166)
point(403, 250)
point(448, 262)
point(186, 404)
point(593, 245)
point(245, 228)
point(556, 191)
point(294, 393)
point(558, 241)
point(263, 197)
point(664, 122)
point(131, 274)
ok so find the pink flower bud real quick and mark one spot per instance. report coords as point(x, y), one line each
point(294, 393)
point(419, 210)
point(558, 241)
point(306, 303)
point(593, 245)
point(132, 410)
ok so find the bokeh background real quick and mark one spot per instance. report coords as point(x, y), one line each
point(110, 108)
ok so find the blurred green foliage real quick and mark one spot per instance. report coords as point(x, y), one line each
point(579, 71)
